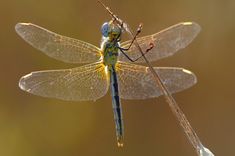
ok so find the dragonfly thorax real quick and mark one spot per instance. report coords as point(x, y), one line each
point(110, 52)
point(111, 33)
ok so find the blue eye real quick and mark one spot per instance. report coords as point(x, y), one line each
point(105, 29)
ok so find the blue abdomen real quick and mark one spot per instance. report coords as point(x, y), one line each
point(117, 109)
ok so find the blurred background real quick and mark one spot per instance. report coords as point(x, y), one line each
point(36, 126)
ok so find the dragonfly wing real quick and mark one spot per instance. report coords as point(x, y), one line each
point(57, 46)
point(166, 42)
point(137, 82)
point(89, 82)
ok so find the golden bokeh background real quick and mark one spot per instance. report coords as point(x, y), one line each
point(36, 126)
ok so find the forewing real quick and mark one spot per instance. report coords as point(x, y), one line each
point(166, 42)
point(137, 82)
point(57, 46)
point(89, 82)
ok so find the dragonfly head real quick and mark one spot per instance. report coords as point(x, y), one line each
point(111, 30)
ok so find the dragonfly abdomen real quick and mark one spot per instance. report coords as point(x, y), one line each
point(116, 104)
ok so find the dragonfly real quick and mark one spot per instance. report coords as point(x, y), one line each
point(115, 65)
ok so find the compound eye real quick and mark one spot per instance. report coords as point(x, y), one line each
point(105, 29)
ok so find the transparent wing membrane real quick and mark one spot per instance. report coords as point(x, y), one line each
point(89, 82)
point(137, 82)
point(57, 46)
point(166, 42)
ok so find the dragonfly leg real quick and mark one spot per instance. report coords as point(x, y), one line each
point(151, 45)
point(134, 38)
